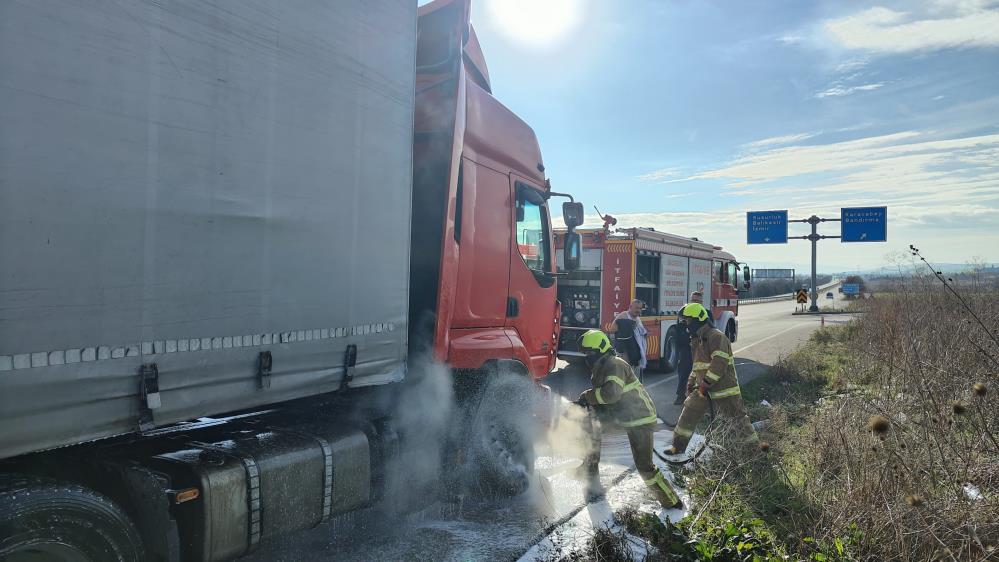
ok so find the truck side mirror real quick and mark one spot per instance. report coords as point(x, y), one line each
point(572, 214)
point(572, 247)
point(746, 275)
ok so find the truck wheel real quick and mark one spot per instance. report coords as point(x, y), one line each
point(671, 357)
point(502, 447)
point(730, 331)
point(45, 520)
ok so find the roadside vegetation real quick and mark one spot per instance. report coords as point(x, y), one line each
point(880, 442)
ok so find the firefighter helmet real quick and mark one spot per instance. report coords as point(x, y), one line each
point(595, 341)
point(694, 310)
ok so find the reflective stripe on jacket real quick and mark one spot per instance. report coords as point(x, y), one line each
point(714, 364)
point(615, 385)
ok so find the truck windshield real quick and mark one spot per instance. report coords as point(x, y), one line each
point(531, 239)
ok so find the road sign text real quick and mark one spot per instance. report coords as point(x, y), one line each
point(766, 227)
point(864, 224)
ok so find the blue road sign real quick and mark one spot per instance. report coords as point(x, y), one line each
point(766, 227)
point(851, 288)
point(864, 224)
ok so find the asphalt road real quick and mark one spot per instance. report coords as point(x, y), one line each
point(507, 530)
point(766, 332)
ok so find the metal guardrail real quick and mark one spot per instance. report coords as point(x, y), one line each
point(787, 296)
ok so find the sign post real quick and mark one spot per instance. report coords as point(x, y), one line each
point(814, 237)
point(858, 224)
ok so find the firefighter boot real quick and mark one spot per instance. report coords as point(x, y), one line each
point(589, 471)
point(641, 441)
point(663, 492)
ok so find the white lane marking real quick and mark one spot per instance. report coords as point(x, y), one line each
point(740, 350)
point(659, 382)
point(671, 378)
point(784, 331)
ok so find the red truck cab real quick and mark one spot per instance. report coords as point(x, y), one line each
point(485, 280)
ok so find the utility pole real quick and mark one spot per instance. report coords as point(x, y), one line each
point(814, 237)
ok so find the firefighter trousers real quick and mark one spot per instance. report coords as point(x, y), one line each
point(640, 439)
point(696, 405)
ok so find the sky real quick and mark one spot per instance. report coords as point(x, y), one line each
point(684, 114)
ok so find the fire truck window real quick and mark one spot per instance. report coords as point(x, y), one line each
point(647, 283)
point(720, 272)
point(733, 273)
point(531, 239)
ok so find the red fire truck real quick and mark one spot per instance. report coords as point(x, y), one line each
point(658, 268)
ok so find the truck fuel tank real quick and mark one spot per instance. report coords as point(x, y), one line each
point(259, 484)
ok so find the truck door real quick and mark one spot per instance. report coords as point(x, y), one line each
point(532, 305)
point(480, 294)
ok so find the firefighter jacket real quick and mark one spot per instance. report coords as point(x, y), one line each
point(714, 365)
point(615, 385)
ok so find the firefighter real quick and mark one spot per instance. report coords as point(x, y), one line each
point(685, 359)
point(616, 388)
point(713, 377)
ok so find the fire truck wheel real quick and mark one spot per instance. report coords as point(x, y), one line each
point(43, 519)
point(671, 356)
point(502, 440)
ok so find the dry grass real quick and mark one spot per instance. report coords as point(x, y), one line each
point(882, 444)
point(914, 428)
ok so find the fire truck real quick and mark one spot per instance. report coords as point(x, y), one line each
point(658, 268)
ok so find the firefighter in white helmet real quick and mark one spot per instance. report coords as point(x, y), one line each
point(713, 378)
point(616, 388)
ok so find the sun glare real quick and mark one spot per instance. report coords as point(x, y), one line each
point(535, 22)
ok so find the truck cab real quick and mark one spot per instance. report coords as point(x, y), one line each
point(484, 266)
point(726, 286)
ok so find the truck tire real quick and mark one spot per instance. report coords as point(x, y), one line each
point(730, 332)
point(502, 441)
point(46, 520)
point(671, 353)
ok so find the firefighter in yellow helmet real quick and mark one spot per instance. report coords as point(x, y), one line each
point(616, 388)
point(713, 376)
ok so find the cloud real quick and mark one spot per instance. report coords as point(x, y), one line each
point(852, 65)
point(909, 158)
point(774, 141)
point(656, 176)
point(941, 25)
point(837, 91)
point(791, 39)
point(703, 225)
point(933, 186)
